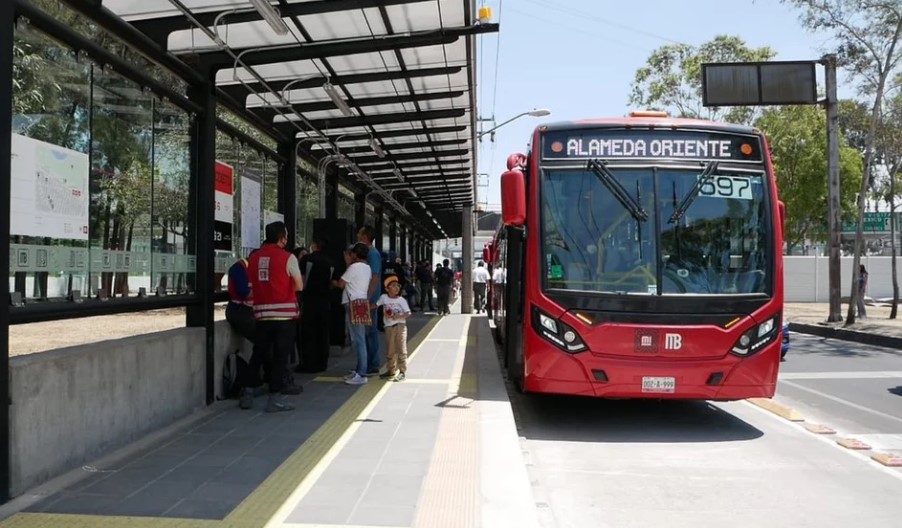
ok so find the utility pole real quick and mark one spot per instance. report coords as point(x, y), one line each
point(834, 242)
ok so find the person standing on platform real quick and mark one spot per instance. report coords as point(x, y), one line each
point(316, 321)
point(424, 282)
point(275, 278)
point(480, 278)
point(396, 312)
point(444, 279)
point(366, 235)
point(355, 283)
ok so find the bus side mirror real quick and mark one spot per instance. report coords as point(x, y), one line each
point(513, 198)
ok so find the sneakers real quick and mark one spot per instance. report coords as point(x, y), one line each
point(400, 377)
point(292, 389)
point(356, 380)
point(386, 375)
point(276, 404)
point(247, 399)
point(372, 372)
point(349, 375)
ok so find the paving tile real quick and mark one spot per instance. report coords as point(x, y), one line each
point(80, 503)
point(231, 492)
point(387, 515)
point(119, 485)
point(200, 509)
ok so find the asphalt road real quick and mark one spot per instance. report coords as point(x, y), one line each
point(624, 464)
point(853, 388)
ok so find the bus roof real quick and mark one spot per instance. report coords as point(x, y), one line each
point(648, 122)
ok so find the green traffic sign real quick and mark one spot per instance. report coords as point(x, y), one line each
point(873, 223)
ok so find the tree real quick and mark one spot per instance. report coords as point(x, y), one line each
point(798, 141)
point(671, 79)
point(889, 144)
point(867, 35)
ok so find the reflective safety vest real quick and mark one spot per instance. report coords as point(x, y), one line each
point(274, 290)
point(239, 293)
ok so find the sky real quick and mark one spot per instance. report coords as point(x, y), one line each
point(578, 58)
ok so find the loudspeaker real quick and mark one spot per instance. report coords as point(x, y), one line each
point(339, 234)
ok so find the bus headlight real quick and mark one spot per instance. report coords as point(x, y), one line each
point(557, 333)
point(756, 337)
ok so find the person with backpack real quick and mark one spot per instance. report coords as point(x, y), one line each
point(237, 372)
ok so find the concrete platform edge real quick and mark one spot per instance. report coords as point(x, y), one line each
point(507, 499)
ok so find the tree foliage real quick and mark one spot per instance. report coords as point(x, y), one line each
point(798, 141)
point(671, 78)
point(867, 35)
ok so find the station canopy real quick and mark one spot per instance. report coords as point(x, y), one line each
point(385, 87)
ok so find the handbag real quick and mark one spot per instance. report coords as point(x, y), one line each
point(360, 312)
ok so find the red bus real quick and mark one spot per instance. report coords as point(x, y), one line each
point(640, 257)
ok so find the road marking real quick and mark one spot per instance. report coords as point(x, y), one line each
point(829, 441)
point(844, 402)
point(407, 381)
point(864, 374)
point(445, 339)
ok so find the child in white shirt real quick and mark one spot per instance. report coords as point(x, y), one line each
point(396, 311)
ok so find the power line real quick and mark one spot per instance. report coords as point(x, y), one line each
point(590, 16)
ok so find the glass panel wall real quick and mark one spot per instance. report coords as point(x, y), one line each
point(100, 180)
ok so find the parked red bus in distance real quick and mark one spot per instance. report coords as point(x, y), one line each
point(640, 257)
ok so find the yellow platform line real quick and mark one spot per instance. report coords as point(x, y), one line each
point(407, 381)
point(263, 502)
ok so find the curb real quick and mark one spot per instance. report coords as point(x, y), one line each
point(847, 335)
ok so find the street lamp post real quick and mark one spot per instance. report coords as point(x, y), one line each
point(537, 112)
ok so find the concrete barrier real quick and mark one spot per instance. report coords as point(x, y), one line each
point(71, 405)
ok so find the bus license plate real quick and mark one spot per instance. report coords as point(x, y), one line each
point(666, 385)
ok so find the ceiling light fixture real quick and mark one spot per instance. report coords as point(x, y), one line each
point(398, 174)
point(271, 15)
point(340, 103)
point(377, 148)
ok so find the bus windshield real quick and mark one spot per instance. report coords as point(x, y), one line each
point(702, 230)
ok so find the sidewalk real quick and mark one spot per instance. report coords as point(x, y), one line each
point(878, 329)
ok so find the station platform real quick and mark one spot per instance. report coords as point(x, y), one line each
point(439, 449)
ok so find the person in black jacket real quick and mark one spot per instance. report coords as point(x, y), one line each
point(444, 279)
point(318, 271)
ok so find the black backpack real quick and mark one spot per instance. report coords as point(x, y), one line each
point(230, 387)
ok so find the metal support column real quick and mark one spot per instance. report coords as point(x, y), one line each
point(359, 210)
point(380, 211)
point(288, 194)
point(392, 234)
point(7, 24)
point(332, 197)
point(466, 279)
point(402, 247)
point(200, 219)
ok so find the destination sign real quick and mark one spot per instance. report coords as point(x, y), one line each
point(644, 144)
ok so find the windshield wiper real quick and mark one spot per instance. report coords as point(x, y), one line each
point(703, 178)
point(610, 181)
